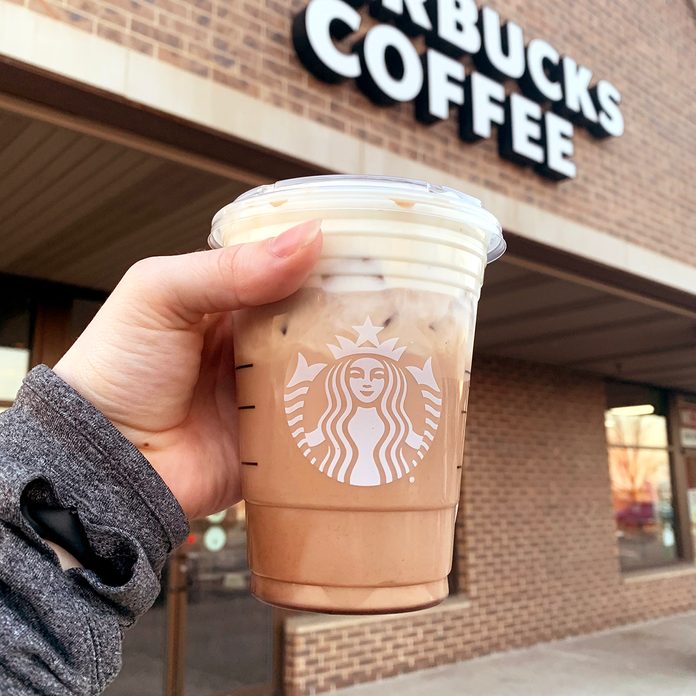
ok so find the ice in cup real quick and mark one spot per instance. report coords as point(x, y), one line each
point(352, 393)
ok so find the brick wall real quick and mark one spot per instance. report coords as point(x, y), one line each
point(540, 560)
point(636, 187)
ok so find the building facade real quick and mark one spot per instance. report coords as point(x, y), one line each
point(125, 124)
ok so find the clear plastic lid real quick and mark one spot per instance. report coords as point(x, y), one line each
point(347, 191)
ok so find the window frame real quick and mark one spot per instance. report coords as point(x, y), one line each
point(668, 404)
point(680, 486)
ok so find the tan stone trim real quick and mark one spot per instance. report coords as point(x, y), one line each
point(57, 47)
point(670, 572)
point(311, 623)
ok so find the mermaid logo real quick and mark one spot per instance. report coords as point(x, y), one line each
point(368, 417)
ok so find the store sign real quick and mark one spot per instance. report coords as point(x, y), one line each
point(534, 125)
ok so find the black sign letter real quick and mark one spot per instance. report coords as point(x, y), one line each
point(391, 67)
point(313, 33)
point(540, 79)
point(607, 99)
point(443, 86)
point(502, 50)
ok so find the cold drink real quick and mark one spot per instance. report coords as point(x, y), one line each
point(352, 392)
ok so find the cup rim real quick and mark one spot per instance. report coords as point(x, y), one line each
point(361, 188)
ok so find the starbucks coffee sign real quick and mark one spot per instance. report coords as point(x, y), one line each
point(534, 123)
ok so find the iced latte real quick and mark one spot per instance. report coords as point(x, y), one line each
point(352, 393)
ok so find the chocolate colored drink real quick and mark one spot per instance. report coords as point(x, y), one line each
point(352, 392)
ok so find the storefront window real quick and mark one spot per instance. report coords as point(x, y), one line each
point(14, 365)
point(15, 323)
point(641, 478)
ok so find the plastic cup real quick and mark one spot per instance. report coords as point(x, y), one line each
point(352, 393)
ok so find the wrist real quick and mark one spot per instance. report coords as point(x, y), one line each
point(102, 475)
point(68, 370)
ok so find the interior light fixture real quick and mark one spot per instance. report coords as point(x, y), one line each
point(639, 410)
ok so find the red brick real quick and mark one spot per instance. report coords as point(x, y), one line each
point(182, 61)
point(100, 11)
point(161, 37)
point(111, 33)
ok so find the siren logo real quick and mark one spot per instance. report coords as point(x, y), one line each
point(368, 417)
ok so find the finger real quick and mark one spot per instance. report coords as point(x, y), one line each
point(191, 285)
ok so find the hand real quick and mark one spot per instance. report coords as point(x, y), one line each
point(157, 359)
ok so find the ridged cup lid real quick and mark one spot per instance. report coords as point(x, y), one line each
point(354, 191)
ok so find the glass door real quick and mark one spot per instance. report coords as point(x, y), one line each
point(144, 645)
point(229, 634)
point(206, 634)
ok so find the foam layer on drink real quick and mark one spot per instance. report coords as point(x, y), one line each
point(408, 235)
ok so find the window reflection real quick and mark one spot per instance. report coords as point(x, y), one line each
point(641, 484)
point(221, 657)
point(143, 653)
point(217, 552)
point(224, 637)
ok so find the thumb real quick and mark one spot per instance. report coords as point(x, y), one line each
point(187, 286)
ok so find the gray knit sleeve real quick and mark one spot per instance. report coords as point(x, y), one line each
point(60, 631)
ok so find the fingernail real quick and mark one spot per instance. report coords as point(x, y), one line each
point(295, 238)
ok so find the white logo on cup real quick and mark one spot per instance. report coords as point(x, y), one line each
point(365, 430)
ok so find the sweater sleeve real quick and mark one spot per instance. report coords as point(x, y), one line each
point(60, 631)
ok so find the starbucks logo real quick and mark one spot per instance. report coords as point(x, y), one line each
point(367, 417)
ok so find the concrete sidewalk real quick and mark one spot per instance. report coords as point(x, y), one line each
point(657, 658)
